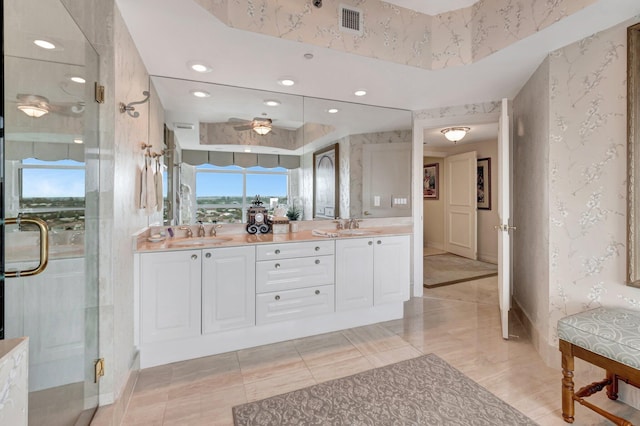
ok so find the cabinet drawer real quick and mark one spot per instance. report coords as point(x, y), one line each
point(294, 304)
point(289, 250)
point(288, 274)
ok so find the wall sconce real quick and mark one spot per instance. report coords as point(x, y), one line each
point(454, 134)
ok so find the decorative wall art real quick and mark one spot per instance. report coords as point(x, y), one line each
point(484, 183)
point(326, 183)
point(430, 182)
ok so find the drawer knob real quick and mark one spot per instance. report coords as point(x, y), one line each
point(379, 242)
point(370, 243)
point(317, 291)
point(194, 256)
point(277, 266)
point(208, 255)
point(278, 251)
point(317, 248)
point(277, 297)
point(317, 261)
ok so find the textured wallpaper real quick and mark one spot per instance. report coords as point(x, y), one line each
point(396, 34)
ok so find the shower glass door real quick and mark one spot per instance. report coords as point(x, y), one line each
point(51, 172)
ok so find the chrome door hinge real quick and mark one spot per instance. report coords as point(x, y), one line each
point(99, 369)
point(99, 93)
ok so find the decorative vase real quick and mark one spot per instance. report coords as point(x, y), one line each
point(293, 226)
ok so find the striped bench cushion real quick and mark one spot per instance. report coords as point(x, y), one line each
point(611, 332)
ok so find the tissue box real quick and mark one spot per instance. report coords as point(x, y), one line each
point(280, 225)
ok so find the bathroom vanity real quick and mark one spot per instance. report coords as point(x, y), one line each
point(197, 298)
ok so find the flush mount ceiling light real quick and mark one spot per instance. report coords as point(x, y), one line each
point(45, 44)
point(271, 102)
point(333, 110)
point(286, 82)
point(454, 134)
point(262, 129)
point(33, 105)
point(199, 66)
point(360, 92)
point(200, 93)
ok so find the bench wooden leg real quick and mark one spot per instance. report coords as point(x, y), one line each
point(568, 409)
point(612, 388)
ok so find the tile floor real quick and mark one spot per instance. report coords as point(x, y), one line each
point(460, 323)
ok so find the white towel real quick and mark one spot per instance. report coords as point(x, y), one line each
point(150, 188)
point(158, 186)
point(319, 233)
point(143, 185)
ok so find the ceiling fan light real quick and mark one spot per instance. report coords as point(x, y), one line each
point(262, 129)
point(33, 110)
point(454, 134)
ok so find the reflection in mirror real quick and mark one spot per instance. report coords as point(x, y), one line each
point(633, 155)
point(235, 143)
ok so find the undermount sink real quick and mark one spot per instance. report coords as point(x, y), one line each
point(199, 241)
point(353, 232)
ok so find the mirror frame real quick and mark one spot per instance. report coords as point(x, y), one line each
point(633, 154)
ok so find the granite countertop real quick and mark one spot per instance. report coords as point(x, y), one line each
point(234, 240)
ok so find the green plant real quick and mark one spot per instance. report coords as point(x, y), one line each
point(293, 213)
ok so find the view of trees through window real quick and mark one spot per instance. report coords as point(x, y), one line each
point(223, 194)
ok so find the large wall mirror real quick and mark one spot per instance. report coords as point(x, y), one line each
point(633, 155)
point(234, 143)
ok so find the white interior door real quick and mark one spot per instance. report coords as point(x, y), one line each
point(460, 204)
point(504, 214)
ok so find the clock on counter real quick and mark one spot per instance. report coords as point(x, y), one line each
point(257, 219)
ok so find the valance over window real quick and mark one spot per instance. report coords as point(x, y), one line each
point(242, 159)
point(46, 151)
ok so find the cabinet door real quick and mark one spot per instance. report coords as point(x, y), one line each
point(354, 273)
point(228, 288)
point(391, 269)
point(170, 295)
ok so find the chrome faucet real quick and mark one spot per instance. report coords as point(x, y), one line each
point(200, 229)
point(213, 229)
point(339, 224)
point(353, 223)
point(188, 229)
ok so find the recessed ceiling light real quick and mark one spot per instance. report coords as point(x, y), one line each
point(247, 150)
point(271, 102)
point(308, 55)
point(77, 79)
point(333, 110)
point(78, 141)
point(286, 82)
point(199, 66)
point(200, 93)
point(360, 92)
point(44, 44)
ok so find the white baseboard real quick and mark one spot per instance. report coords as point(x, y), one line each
point(489, 258)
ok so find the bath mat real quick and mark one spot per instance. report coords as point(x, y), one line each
point(445, 269)
point(420, 391)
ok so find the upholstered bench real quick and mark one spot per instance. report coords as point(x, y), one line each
point(608, 338)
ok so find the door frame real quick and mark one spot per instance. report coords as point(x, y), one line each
point(420, 123)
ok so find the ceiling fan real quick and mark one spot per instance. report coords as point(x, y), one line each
point(260, 125)
point(36, 106)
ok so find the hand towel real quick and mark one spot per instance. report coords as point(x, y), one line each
point(158, 184)
point(150, 188)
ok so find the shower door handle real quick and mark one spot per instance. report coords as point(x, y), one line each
point(44, 246)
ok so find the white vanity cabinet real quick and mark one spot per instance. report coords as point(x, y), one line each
point(391, 269)
point(354, 273)
point(372, 271)
point(170, 295)
point(228, 288)
point(294, 280)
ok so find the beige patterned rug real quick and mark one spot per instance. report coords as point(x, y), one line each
point(445, 269)
point(420, 391)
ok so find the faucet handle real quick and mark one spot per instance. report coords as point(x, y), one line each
point(213, 229)
point(339, 224)
point(188, 229)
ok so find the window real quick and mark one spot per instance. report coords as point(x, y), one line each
point(53, 191)
point(223, 194)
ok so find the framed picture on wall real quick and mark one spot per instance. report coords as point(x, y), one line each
point(484, 183)
point(326, 182)
point(430, 178)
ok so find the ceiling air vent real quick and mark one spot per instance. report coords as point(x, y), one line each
point(184, 126)
point(350, 19)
